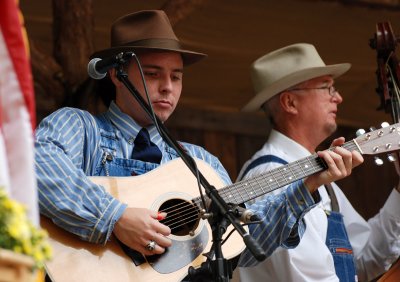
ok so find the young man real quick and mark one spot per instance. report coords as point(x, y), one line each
point(296, 90)
point(72, 144)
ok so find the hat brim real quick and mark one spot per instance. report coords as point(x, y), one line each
point(284, 83)
point(189, 57)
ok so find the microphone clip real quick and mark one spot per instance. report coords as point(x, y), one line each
point(245, 215)
point(98, 68)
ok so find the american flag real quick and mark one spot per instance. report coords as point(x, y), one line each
point(17, 110)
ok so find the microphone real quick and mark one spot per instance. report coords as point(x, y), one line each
point(97, 68)
point(245, 215)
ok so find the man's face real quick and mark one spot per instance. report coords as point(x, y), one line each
point(163, 72)
point(318, 107)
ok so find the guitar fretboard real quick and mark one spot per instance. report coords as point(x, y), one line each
point(245, 190)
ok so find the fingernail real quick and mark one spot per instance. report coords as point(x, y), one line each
point(160, 216)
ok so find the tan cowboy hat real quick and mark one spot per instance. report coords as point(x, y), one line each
point(146, 30)
point(286, 67)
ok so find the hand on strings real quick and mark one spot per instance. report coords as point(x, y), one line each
point(340, 164)
point(138, 227)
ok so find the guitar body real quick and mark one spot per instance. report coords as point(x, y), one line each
point(172, 183)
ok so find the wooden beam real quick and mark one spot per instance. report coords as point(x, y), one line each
point(73, 27)
point(253, 124)
point(178, 10)
point(49, 81)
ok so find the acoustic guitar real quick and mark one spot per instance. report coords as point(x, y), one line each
point(172, 188)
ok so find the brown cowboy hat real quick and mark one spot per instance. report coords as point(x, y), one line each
point(286, 67)
point(146, 30)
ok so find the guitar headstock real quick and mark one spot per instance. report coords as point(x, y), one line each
point(379, 141)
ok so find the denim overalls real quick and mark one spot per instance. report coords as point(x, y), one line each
point(338, 244)
point(337, 239)
point(112, 163)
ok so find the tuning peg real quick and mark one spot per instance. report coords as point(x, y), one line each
point(385, 124)
point(360, 132)
point(378, 161)
point(391, 158)
point(372, 128)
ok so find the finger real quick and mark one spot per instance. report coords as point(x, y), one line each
point(162, 241)
point(161, 215)
point(162, 229)
point(332, 161)
point(346, 159)
point(158, 215)
point(157, 250)
point(357, 158)
point(343, 162)
point(337, 142)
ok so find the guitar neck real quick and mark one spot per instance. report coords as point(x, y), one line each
point(245, 190)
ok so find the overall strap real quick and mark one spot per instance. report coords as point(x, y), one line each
point(332, 195)
point(262, 160)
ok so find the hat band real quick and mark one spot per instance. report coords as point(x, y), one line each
point(161, 43)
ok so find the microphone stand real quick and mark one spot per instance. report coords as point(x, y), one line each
point(222, 215)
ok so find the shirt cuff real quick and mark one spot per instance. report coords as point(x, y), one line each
point(300, 201)
point(105, 227)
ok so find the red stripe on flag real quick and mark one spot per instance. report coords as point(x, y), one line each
point(11, 27)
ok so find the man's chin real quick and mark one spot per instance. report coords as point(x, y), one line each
point(332, 128)
point(162, 116)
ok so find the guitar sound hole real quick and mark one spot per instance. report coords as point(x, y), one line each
point(182, 216)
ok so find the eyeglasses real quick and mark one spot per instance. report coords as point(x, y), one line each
point(331, 89)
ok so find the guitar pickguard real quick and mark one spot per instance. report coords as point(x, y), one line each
point(180, 254)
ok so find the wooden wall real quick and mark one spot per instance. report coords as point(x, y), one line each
point(235, 137)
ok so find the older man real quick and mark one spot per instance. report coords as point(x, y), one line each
point(296, 89)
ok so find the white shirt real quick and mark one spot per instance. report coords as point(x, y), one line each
point(376, 243)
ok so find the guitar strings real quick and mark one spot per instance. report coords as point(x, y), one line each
point(185, 213)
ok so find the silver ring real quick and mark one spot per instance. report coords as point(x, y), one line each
point(151, 245)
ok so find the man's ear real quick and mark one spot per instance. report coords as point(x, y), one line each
point(114, 79)
point(288, 102)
